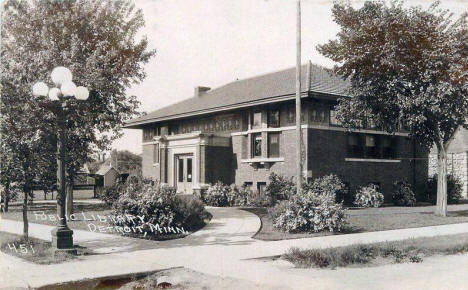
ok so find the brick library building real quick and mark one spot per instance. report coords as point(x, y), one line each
point(241, 132)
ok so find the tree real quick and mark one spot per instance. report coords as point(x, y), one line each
point(404, 64)
point(23, 145)
point(125, 161)
point(97, 40)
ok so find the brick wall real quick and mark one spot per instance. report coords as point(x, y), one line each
point(244, 172)
point(148, 168)
point(327, 153)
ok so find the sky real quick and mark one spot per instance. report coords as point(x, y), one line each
point(214, 42)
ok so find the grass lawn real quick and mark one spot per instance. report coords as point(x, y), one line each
point(370, 220)
point(33, 250)
point(411, 250)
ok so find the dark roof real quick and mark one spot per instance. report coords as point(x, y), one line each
point(256, 90)
point(104, 169)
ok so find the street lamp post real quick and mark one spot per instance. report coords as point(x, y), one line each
point(62, 236)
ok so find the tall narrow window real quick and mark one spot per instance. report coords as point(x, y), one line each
point(261, 187)
point(371, 146)
point(257, 145)
point(257, 120)
point(180, 173)
point(354, 148)
point(189, 169)
point(333, 118)
point(156, 153)
point(274, 118)
point(291, 115)
point(273, 145)
point(388, 147)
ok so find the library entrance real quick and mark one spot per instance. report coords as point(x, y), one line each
point(184, 173)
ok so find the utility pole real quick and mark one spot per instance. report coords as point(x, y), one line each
point(298, 102)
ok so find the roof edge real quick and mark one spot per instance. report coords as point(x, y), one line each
point(139, 124)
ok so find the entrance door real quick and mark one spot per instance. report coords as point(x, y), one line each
point(184, 173)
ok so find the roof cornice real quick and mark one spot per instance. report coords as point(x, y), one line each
point(267, 100)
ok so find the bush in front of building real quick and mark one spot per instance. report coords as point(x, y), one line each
point(238, 196)
point(257, 199)
point(217, 194)
point(309, 211)
point(402, 194)
point(279, 188)
point(332, 186)
point(158, 206)
point(368, 196)
point(110, 194)
point(222, 195)
point(454, 189)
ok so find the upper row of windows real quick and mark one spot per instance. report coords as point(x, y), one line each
point(319, 114)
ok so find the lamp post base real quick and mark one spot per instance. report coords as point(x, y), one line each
point(62, 240)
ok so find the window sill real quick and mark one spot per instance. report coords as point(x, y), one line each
point(373, 160)
point(263, 160)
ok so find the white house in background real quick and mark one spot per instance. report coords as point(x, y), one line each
point(457, 159)
point(109, 174)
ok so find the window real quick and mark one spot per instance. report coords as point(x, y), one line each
point(291, 115)
point(189, 169)
point(248, 184)
point(274, 118)
point(333, 119)
point(388, 147)
point(273, 144)
point(180, 176)
point(261, 187)
point(354, 148)
point(173, 129)
point(371, 146)
point(257, 145)
point(257, 120)
point(156, 153)
point(371, 150)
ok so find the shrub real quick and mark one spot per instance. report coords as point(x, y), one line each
point(222, 195)
point(368, 196)
point(279, 187)
point(157, 205)
point(308, 212)
point(217, 194)
point(110, 194)
point(238, 196)
point(255, 198)
point(330, 185)
point(402, 194)
point(454, 189)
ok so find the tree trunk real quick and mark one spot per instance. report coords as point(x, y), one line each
point(441, 206)
point(69, 199)
point(45, 194)
point(6, 198)
point(25, 216)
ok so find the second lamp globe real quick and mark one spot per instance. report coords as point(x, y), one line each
point(61, 75)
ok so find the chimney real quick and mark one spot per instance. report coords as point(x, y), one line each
point(199, 91)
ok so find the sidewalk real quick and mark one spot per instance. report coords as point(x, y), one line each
point(221, 248)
